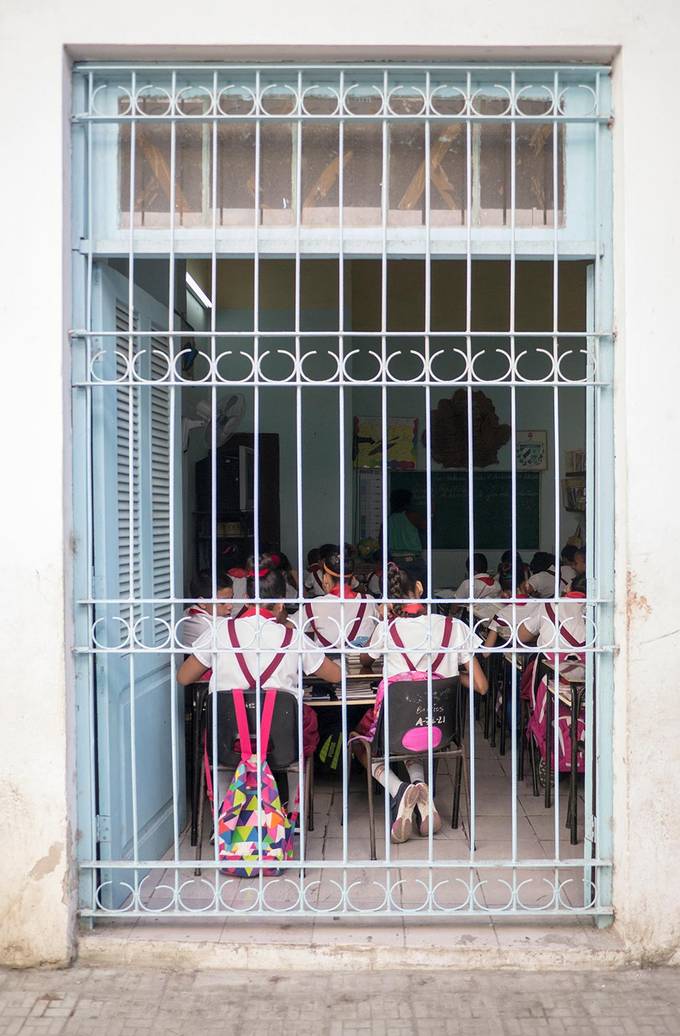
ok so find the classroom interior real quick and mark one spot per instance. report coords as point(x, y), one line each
point(333, 486)
point(558, 413)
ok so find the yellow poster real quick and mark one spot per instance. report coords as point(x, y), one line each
point(402, 433)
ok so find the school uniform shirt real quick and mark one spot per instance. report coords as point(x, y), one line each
point(483, 586)
point(331, 620)
point(543, 583)
point(566, 618)
point(255, 629)
point(374, 584)
point(503, 620)
point(312, 582)
point(239, 584)
point(422, 637)
point(567, 573)
point(193, 624)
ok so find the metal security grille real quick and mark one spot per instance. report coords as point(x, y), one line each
point(297, 290)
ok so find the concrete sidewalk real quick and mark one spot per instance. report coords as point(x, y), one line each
point(85, 1001)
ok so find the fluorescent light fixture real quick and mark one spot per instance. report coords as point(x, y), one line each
point(198, 293)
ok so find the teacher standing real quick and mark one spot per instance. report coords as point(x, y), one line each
point(404, 542)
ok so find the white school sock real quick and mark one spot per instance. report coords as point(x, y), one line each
point(393, 783)
point(416, 771)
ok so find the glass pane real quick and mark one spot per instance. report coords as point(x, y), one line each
point(363, 174)
point(407, 175)
point(276, 172)
point(320, 173)
point(235, 173)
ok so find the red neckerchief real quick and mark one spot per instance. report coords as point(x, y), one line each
point(237, 573)
point(197, 609)
point(257, 610)
point(575, 593)
point(349, 592)
point(487, 580)
point(412, 609)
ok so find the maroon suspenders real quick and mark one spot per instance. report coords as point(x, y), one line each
point(446, 639)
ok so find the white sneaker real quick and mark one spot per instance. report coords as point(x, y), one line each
point(402, 807)
point(427, 811)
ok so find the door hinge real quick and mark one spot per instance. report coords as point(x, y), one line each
point(103, 828)
point(591, 828)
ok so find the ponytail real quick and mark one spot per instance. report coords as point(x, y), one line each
point(399, 585)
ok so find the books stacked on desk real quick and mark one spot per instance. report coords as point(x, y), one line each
point(353, 663)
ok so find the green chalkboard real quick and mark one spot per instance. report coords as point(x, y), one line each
point(492, 507)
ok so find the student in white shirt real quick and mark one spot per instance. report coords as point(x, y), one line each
point(412, 641)
point(483, 585)
point(542, 578)
point(313, 581)
point(264, 627)
point(197, 618)
point(341, 617)
point(561, 630)
point(509, 617)
point(567, 570)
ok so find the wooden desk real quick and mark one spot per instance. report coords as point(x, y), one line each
point(357, 690)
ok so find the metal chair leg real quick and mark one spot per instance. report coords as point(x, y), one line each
point(502, 697)
point(533, 751)
point(309, 781)
point(468, 804)
point(455, 809)
point(371, 810)
point(547, 798)
point(197, 761)
point(521, 739)
point(201, 812)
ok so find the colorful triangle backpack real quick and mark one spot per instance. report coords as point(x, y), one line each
point(253, 818)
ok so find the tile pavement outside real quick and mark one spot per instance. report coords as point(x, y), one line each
point(84, 1001)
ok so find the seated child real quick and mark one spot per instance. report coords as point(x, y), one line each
point(313, 582)
point(341, 616)
point(508, 617)
point(197, 618)
point(560, 629)
point(238, 572)
point(415, 640)
point(567, 570)
point(580, 561)
point(230, 646)
point(505, 566)
point(374, 581)
point(542, 578)
point(483, 585)
point(289, 574)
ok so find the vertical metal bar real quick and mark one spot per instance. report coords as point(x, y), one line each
point(298, 424)
point(384, 202)
point(256, 485)
point(89, 491)
point(591, 616)
point(213, 485)
point(513, 488)
point(341, 423)
point(428, 477)
point(471, 534)
point(556, 414)
point(171, 479)
point(132, 425)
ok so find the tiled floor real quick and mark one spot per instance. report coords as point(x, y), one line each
point(406, 884)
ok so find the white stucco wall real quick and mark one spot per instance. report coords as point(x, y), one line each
point(36, 770)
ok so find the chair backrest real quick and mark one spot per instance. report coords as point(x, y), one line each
point(408, 717)
point(283, 740)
